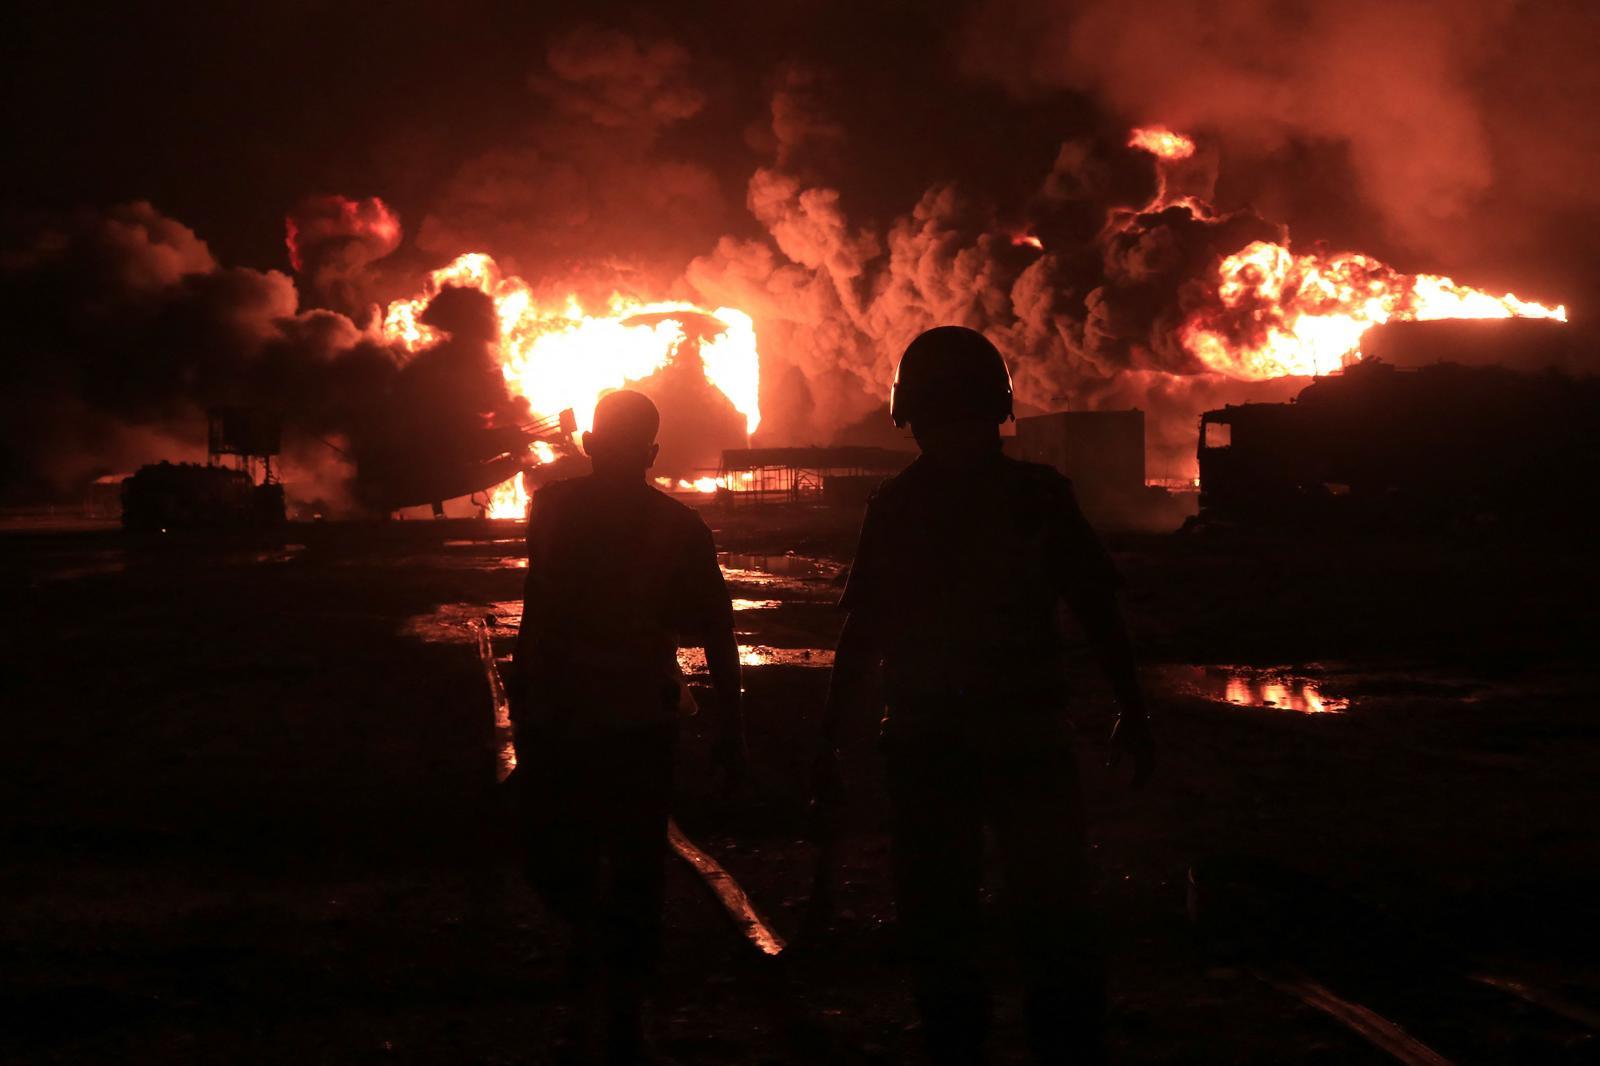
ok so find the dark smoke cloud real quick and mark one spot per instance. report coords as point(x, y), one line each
point(333, 242)
point(1464, 130)
point(123, 331)
point(1089, 320)
point(591, 186)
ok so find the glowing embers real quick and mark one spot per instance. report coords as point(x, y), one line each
point(1281, 693)
point(1244, 686)
point(559, 355)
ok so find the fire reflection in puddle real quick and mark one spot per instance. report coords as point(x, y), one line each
point(1256, 687)
point(693, 660)
point(756, 605)
point(791, 574)
point(458, 623)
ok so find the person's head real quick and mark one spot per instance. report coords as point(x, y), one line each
point(953, 388)
point(623, 440)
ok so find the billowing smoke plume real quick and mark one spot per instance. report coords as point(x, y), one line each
point(333, 243)
point(589, 187)
point(124, 330)
point(1083, 287)
point(1452, 134)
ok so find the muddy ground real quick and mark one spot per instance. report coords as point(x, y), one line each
point(247, 814)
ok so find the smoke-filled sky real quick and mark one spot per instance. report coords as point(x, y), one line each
point(846, 173)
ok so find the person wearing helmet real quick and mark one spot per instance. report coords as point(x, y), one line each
point(618, 572)
point(963, 561)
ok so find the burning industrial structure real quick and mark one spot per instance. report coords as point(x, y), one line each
point(1126, 271)
point(559, 358)
point(1297, 296)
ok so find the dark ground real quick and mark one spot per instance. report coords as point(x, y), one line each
point(245, 813)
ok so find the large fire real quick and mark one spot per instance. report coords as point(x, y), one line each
point(1278, 312)
point(560, 356)
point(1284, 313)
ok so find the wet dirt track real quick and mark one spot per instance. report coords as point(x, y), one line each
point(248, 814)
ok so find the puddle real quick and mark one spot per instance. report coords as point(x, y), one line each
point(756, 605)
point(788, 565)
point(462, 623)
point(1245, 686)
point(693, 660)
point(802, 574)
point(456, 623)
point(486, 540)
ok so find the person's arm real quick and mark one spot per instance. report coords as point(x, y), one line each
point(1089, 587)
point(1100, 616)
point(855, 660)
point(707, 612)
point(856, 657)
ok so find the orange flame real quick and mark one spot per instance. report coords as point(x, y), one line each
point(707, 484)
point(510, 499)
point(1161, 142)
point(562, 356)
point(1278, 313)
point(1282, 313)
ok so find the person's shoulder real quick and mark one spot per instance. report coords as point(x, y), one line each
point(1038, 486)
point(1035, 477)
point(559, 493)
point(666, 509)
point(897, 488)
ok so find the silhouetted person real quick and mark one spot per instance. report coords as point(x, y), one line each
point(963, 562)
point(617, 573)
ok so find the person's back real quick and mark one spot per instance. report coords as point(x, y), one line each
point(618, 573)
point(617, 570)
point(1007, 543)
point(963, 562)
